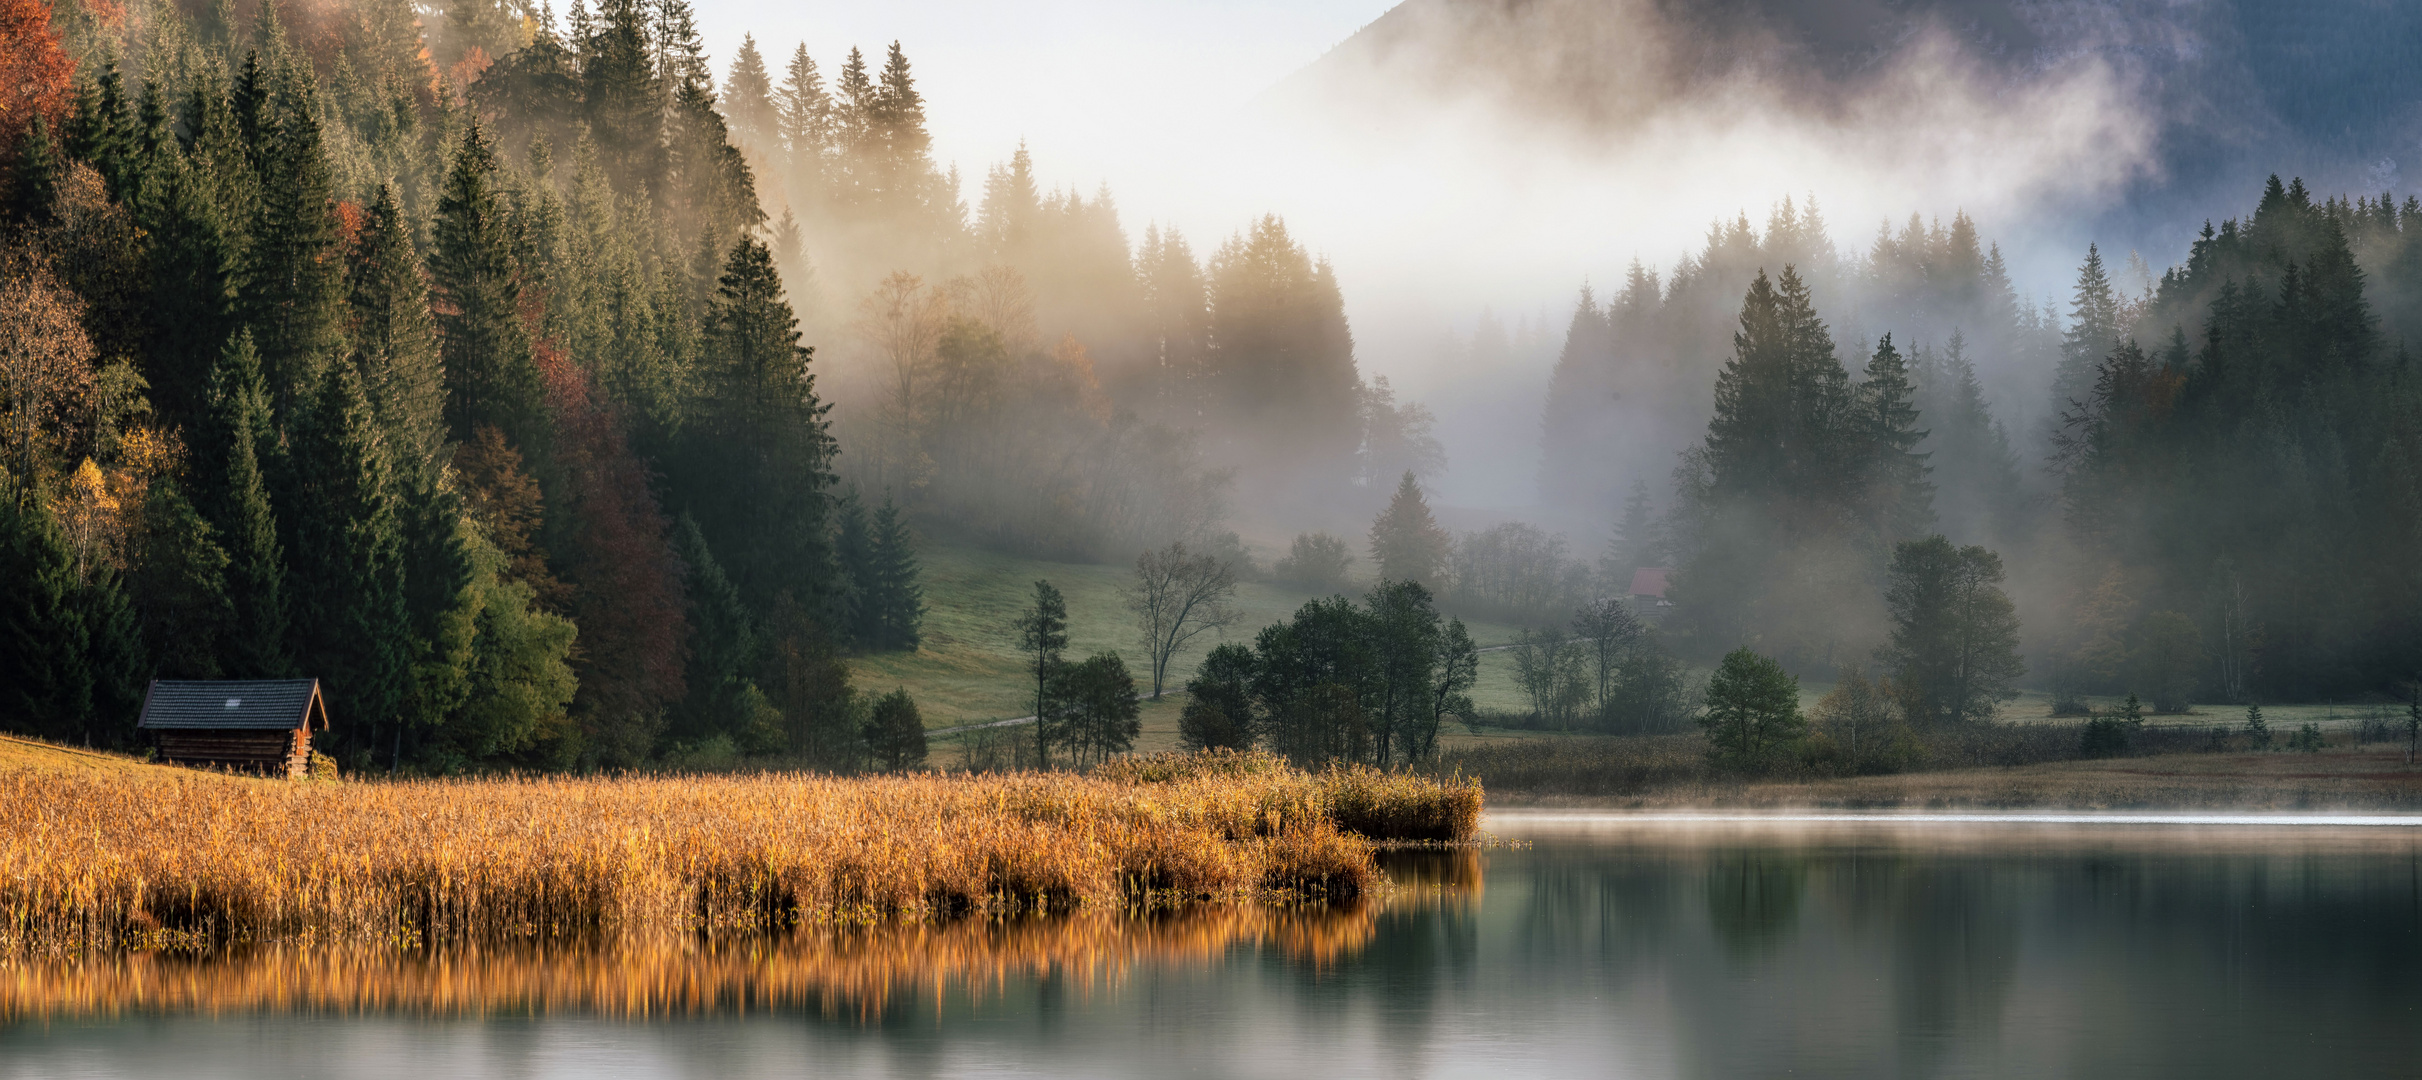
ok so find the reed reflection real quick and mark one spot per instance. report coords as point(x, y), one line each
point(865, 971)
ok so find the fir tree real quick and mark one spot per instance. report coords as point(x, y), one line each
point(46, 671)
point(758, 459)
point(895, 733)
point(293, 287)
point(180, 576)
point(34, 182)
point(2093, 332)
point(1406, 542)
point(236, 502)
point(804, 116)
point(394, 340)
point(722, 695)
point(1899, 497)
point(485, 353)
point(1043, 634)
point(351, 627)
point(748, 95)
point(892, 599)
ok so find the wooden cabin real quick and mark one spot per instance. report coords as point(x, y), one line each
point(1648, 593)
point(249, 725)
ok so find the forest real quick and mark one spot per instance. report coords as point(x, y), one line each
point(562, 405)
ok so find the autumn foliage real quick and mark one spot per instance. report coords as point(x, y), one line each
point(34, 72)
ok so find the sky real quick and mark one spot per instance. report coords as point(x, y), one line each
point(1428, 223)
point(1100, 90)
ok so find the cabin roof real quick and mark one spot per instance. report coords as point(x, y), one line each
point(237, 704)
point(1650, 581)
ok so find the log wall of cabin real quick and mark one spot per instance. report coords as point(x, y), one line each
point(272, 751)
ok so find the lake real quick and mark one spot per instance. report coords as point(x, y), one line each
point(1583, 945)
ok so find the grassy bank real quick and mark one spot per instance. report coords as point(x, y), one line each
point(105, 857)
point(1995, 767)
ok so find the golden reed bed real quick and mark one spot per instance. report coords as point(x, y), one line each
point(136, 859)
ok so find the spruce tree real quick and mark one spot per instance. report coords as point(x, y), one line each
point(476, 284)
point(35, 180)
point(394, 339)
point(46, 674)
point(722, 695)
point(748, 95)
point(114, 654)
point(180, 576)
point(758, 459)
point(351, 629)
point(853, 557)
point(1899, 498)
point(1406, 542)
point(293, 288)
point(895, 733)
point(893, 599)
point(2093, 332)
point(235, 499)
point(1043, 634)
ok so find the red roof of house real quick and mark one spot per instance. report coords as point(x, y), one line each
point(1650, 581)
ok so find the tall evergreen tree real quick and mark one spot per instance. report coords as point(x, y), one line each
point(748, 95)
point(490, 377)
point(180, 576)
point(394, 340)
point(1406, 542)
point(2093, 332)
point(351, 628)
point(46, 671)
point(758, 460)
point(1899, 497)
point(293, 287)
point(235, 499)
point(1043, 634)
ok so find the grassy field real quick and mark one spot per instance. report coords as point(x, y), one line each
point(969, 669)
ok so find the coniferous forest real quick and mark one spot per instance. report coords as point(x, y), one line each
point(489, 367)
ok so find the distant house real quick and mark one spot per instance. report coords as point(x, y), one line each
point(1648, 593)
point(253, 725)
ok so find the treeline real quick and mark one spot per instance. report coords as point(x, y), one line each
point(320, 364)
point(2230, 456)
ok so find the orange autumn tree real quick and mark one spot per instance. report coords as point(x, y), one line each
point(34, 72)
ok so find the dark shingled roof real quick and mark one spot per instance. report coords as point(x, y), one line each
point(279, 704)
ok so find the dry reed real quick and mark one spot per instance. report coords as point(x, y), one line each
point(111, 860)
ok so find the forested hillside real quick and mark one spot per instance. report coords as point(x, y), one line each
point(2213, 498)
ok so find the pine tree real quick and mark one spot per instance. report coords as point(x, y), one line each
point(2093, 332)
point(293, 287)
point(804, 114)
point(394, 340)
point(853, 556)
point(1406, 542)
point(34, 182)
point(351, 628)
point(892, 598)
point(1043, 633)
point(723, 698)
point(1900, 499)
point(748, 96)
point(758, 460)
point(180, 576)
point(895, 733)
point(114, 654)
point(476, 289)
point(1637, 543)
point(235, 499)
point(46, 675)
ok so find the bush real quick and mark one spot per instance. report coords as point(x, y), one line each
point(2307, 738)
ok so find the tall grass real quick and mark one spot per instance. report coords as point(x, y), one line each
point(112, 860)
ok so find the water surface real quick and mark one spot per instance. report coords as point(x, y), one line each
point(1597, 945)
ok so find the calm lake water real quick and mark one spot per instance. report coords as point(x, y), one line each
point(1594, 945)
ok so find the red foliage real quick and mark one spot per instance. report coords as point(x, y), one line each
point(625, 579)
point(34, 72)
point(348, 224)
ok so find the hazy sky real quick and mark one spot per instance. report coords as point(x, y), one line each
point(1097, 88)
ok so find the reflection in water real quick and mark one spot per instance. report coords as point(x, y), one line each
point(834, 970)
point(1609, 946)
